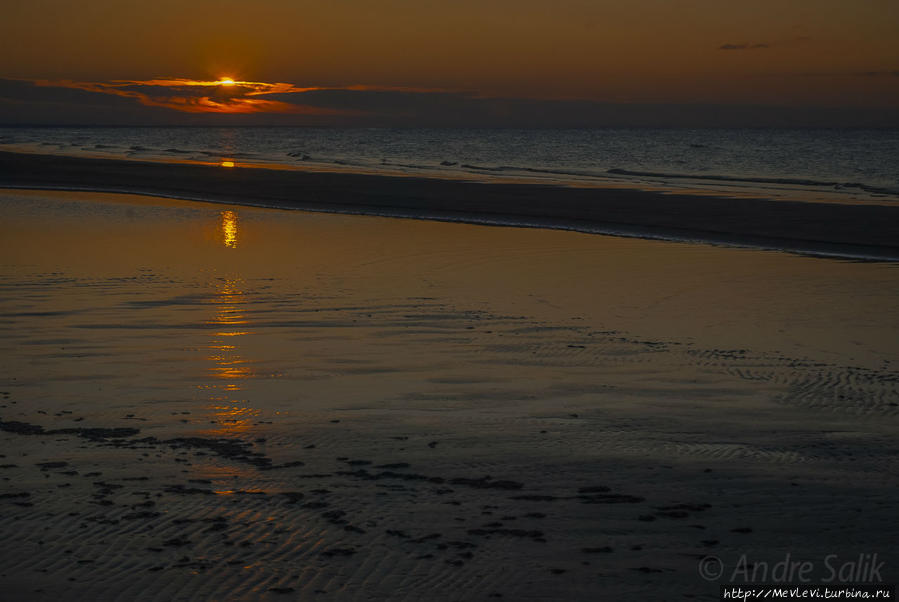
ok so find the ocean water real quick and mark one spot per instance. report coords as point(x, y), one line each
point(831, 164)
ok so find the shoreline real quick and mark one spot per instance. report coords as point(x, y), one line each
point(826, 229)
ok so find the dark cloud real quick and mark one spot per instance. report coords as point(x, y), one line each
point(27, 91)
point(25, 103)
point(882, 73)
point(894, 73)
point(743, 46)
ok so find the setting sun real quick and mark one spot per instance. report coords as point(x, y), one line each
point(226, 81)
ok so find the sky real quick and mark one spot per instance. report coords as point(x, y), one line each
point(490, 62)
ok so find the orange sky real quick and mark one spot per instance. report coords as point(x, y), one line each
point(784, 52)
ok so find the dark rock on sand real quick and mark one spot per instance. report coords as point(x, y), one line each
point(535, 498)
point(177, 542)
point(22, 428)
point(292, 464)
point(387, 474)
point(595, 489)
point(335, 516)
point(7, 496)
point(338, 552)
point(510, 532)
point(182, 490)
point(600, 550)
point(94, 434)
point(610, 498)
point(685, 507)
point(673, 514)
point(459, 545)
point(141, 515)
point(486, 483)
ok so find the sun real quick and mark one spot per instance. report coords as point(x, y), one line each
point(226, 81)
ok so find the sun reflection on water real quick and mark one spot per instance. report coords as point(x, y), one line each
point(229, 229)
point(229, 368)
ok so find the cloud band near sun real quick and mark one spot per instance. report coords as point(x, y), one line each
point(197, 96)
point(181, 101)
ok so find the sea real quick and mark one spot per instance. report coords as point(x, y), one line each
point(837, 165)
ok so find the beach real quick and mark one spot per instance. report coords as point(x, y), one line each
point(448, 302)
point(224, 401)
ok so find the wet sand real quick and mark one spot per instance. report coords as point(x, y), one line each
point(832, 228)
point(220, 402)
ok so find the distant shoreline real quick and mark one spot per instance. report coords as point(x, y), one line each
point(829, 229)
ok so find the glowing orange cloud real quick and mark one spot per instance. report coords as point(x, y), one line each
point(192, 96)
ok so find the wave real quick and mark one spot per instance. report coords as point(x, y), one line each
point(516, 168)
point(758, 180)
point(388, 163)
point(303, 156)
point(481, 167)
point(224, 153)
point(489, 158)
